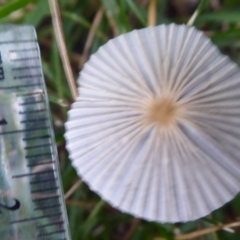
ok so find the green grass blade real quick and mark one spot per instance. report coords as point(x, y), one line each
point(226, 17)
point(13, 6)
point(197, 12)
point(77, 18)
point(137, 12)
point(92, 219)
point(36, 16)
point(83, 22)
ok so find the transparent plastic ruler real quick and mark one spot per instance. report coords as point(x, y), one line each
point(31, 197)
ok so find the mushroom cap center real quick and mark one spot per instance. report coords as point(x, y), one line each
point(162, 111)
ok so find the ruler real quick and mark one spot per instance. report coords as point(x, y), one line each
point(31, 197)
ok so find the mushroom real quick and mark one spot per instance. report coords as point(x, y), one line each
point(156, 128)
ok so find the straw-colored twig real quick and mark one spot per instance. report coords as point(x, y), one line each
point(152, 9)
point(72, 189)
point(57, 27)
point(97, 19)
point(202, 232)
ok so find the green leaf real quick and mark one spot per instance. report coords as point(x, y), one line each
point(224, 16)
point(188, 227)
point(13, 6)
point(111, 7)
point(125, 25)
point(113, 12)
point(83, 22)
point(226, 38)
point(95, 211)
point(92, 219)
point(137, 12)
point(36, 16)
point(56, 63)
point(77, 18)
point(163, 232)
point(236, 205)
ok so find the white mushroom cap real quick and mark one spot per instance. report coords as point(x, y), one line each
point(156, 128)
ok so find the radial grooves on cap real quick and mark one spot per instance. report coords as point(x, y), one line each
point(155, 130)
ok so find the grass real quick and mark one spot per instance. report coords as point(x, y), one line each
point(88, 24)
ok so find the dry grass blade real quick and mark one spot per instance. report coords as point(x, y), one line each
point(73, 189)
point(97, 19)
point(57, 27)
point(152, 9)
point(202, 232)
